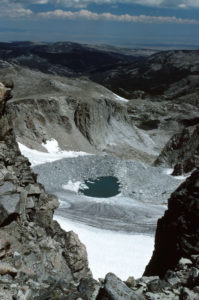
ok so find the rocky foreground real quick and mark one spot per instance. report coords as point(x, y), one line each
point(39, 261)
point(35, 253)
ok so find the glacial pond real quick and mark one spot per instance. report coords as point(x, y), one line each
point(101, 187)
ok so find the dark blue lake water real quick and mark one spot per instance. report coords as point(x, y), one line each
point(102, 187)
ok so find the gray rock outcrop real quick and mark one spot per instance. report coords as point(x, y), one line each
point(178, 284)
point(181, 152)
point(177, 231)
point(115, 289)
point(9, 202)
point(38, 260)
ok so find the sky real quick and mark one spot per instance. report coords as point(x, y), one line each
point(130, 23)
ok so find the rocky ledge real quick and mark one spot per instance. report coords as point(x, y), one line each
point(40, 261)
point(182, 283)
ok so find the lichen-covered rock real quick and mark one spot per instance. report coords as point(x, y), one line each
point(7, 269)
point(89, 288)
point(115, 289)
point(76, 254)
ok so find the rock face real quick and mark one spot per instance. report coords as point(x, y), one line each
point(177, 232)
point(9, 202)
point(182, 151)
point(79, 114)
point(35, 253)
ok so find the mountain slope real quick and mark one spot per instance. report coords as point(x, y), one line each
point(168, 74)
point(79, 114)
point(129, 73)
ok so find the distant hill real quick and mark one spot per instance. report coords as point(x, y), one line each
point(68, 59)
point(138, 73)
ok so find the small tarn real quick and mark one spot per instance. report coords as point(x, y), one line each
point(101, 187)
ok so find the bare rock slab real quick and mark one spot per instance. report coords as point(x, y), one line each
point(9, 202)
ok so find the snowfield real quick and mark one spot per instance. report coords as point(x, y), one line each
point(54, 153)
point(72, 186)
point(109, 251)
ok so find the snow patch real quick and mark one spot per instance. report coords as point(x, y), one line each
point(120, 98)
point(169, 171)
point(182, 177)
point(37, 157)
point(52, 146)
point(109, 251)
point(72, 186)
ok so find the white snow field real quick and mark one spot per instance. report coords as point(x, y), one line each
point(109, 251)
point(54, 153)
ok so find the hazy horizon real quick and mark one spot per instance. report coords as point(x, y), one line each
point(124, 45)
point(128, 23)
